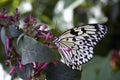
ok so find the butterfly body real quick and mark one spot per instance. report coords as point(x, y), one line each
point(81, 41)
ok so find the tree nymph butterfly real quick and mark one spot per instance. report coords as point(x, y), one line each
point(81, 41)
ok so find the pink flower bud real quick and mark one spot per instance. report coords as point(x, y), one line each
point(26, 20)
point(47, 36)
point(7, 46)
point(115, 58)
point(43, 27)
point(7, 63)
point(21, 67)
point(44, 66)
point(13, 70)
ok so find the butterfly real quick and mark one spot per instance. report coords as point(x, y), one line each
point(81, 41)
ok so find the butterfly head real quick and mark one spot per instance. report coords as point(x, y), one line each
point(56, 40)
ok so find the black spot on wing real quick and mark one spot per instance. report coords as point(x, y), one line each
point(81, 59)
point(74, 39)
point(82, 29)
point(73, 32)
point(85, 56)
point(67, 39)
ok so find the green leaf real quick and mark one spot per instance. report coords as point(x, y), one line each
point(98, 68)
point(62, 72)
point(106, 70)
point(116, 76)
point(92, 68)
point(72, 3)
point(33, 51)
point(67, 3)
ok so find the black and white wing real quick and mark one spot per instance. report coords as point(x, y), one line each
point(81, 41)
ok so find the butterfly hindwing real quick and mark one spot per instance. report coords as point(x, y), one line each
point(81, 41)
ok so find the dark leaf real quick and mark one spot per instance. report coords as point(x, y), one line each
point(14, 32)
point(106, 70)
point(62, 72)
point(26, 73)
point(34, 51)
point(3, 35)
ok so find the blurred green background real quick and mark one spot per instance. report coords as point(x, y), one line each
point(65, 14)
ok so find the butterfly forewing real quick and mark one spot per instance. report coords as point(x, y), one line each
point(81, 41)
